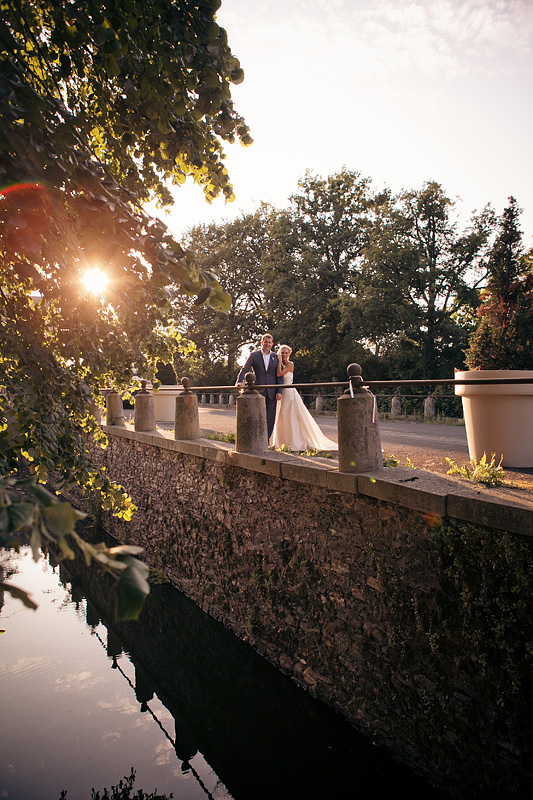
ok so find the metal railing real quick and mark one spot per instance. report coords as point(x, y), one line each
point(357, 383)
point(366, 384)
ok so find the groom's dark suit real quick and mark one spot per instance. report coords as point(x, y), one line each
point(264, 377)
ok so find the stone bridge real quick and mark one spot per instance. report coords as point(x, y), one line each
point(400, 598)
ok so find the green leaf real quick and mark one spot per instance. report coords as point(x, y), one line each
point(9, 540)
point(237, 75)
point(67, 551)
point(35, 541)
point(4, 519)
point(130, 549)
point(18, 594)
point(176, 247)
point(112, 67)
point(132, 587)
point(20, 515)
point(61, 518)
point(65, 69)
point(7, 38)
point(219, 300)
point(44, 497)
point(202, 296)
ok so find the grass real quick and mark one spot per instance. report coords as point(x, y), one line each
point(438, 419)
point(220, 437)
point(308, 452)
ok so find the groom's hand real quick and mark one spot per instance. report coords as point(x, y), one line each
point(278, 396)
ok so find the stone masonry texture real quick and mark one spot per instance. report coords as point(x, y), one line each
point(343, 592)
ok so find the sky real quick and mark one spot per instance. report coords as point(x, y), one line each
point(402, 91)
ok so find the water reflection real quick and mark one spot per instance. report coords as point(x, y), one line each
point(214, 718)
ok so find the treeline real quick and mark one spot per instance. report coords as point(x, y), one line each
point(343, 274)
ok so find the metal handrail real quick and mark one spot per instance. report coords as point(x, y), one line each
point(370, 384)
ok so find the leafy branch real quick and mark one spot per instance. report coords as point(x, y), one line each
point(31, 514)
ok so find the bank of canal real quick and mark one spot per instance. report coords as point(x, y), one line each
point(194, 710)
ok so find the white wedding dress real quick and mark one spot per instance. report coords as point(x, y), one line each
point(295, 427)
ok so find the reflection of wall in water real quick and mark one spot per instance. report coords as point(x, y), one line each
point(260, 733)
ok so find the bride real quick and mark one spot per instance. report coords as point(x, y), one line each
point(295, 427)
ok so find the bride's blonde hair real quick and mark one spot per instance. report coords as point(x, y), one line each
point(280, 348)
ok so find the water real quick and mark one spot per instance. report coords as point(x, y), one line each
point(175, 696)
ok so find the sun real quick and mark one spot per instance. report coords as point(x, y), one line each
point(95, 281)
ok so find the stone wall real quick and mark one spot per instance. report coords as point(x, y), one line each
point(355, 587)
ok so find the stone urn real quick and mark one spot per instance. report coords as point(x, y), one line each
point(498, 418)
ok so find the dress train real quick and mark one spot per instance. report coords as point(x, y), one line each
point(295, 427)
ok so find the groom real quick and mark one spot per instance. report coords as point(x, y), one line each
point(264, 364)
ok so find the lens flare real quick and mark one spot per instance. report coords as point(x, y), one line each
point(95, 281)
point(20, 187)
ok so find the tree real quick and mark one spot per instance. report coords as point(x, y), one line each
point(423, 271)
point(233, 253)
point(165, 374)
point(102, 103)
point(504, 336)
point(314, 263)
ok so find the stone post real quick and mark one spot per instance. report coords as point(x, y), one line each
point(231, 399)
point(144, 410)
point(429, 407)
point(221, 399)
point(396, 406)
point(212, 399)
point(186, 420)
point(358, 427)
point(251, 425)
point(319, 403)
point(114, 409)
point(203, 399)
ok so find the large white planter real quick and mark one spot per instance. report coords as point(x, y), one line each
point(165, 402)
point(498, 419)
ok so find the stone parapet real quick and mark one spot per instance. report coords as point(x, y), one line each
point(410, 488)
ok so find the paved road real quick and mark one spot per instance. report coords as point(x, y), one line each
point(425, 444)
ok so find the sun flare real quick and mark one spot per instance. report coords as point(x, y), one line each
point(95, 281)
